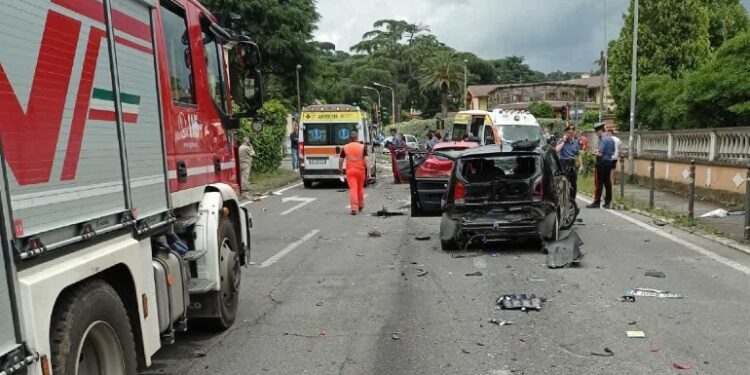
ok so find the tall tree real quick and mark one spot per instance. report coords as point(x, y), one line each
point(442, 72)
point(673, 37)
point(727, 18)
point(284, 32)
point(513, 69)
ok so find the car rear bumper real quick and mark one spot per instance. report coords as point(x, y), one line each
point(318, 174)
point(533, 222)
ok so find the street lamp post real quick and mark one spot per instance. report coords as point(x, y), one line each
point(299, 98)
point(393, 101)
point(378, 112)
point(633, 83)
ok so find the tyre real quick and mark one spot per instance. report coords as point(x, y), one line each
point(307, 184)
point(91, 333)
point(573, 211)
point(231, 275)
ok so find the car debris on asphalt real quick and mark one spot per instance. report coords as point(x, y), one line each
point(682, 366)
point(466, 255)
point(655, 273)
point(606, 353)
point(565, 251)
point(385, 213)
point(375, 232)
point(478, 273)
point(648, 292)
point(396, 336)
point(635, 334)
point(422, 238)
point(523, 302)
point(627, 298)
point(501, 322)
point(659, 222)
point(422, 273)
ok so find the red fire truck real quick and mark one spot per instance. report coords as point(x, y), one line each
point(120, 220)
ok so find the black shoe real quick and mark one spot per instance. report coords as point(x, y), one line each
point(606, 205)
point(354, 213)
point(593, 205)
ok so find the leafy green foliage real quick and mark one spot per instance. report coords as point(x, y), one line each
point(513, 69)
point(542, 110)
point(442, 72)
point(269, 142)
point(590, 118)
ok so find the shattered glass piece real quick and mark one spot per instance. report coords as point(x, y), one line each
point(565, 251)
point(647, 292)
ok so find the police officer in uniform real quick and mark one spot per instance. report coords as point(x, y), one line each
point(604, 164)
point(569, 150)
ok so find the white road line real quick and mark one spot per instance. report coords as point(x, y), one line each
point(689, 245)
point(287, 188)
point(288, 249)
point(349, 205)
point(295, 198)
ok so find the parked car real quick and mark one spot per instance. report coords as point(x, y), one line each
point(429, 175)
point(498, 193)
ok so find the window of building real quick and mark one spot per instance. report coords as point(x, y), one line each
point(178, 54)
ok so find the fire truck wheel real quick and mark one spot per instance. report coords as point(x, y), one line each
point(231, 275)
point(307, 183)
point(91, 333)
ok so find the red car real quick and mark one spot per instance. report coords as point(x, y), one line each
point(429, 176)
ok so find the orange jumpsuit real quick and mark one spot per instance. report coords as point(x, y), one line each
point(356, 171)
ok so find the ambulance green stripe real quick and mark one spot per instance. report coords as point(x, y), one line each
point(107, 95)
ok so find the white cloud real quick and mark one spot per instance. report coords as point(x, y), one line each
point(551, 34)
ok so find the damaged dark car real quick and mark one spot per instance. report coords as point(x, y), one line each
point(499, 193)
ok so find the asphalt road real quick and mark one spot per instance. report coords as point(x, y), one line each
point(325, 298)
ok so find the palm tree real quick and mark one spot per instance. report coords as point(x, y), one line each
point(442, 72)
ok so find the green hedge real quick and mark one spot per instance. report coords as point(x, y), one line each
point(419, 128)
point(269, 142)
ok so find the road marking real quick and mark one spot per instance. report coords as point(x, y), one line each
point(287, 188)
point(349, 205)
point(296, 198)
point(288, 249)
point(689, 245)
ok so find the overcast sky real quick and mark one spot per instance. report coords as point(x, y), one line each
point(551, 34)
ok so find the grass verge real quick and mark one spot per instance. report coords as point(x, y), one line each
point(263, 182)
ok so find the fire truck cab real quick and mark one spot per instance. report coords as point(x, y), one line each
point(120, 221)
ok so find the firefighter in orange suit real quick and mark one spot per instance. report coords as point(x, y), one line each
point(355, 154)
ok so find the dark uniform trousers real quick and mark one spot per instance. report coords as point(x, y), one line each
point(569, 168)
point(604, 180)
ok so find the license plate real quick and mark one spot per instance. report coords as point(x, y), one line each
point(317, 161)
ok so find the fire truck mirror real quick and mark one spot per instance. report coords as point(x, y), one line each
point(250, 54)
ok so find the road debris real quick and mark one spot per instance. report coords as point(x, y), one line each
point(422, 238)
point(478, 273)
point(654, 350)
point(635, 334)
point(422, 273)
point(648, 292)
point(199, 353)
point(396, 336)
point(660, 223)
point(565, 251)
point(360, 254)
point(632, 323)
point(682, 366)
point(717, 213)
point(465, 351)
point(606, 353)
point(319, 303)
point(375, 232)
point(480, 344)
point(501, 322)
point(385, 213)
point(627, 298)
point(655, 273)
point(520, 301)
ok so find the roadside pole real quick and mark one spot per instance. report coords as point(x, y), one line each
point(622, 179)
point(633, 78)
point(652, 184)
point(691, 191)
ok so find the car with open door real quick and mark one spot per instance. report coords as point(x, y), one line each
point(499, 193)
point(429, 173)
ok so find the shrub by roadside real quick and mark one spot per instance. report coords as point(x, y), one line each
point(269, 142)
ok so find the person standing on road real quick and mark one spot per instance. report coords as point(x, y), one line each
point(618, 148)
point(294, 139)
point(430, 142)
point(604, 164)
point(570, 150)
point(355, 154)
point(247, 153)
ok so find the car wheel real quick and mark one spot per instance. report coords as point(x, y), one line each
point(307, 183)
point(570, 219)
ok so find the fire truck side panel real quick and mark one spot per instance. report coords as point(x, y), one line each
point(62, 155)
point(41, 285)
point(140, 109)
